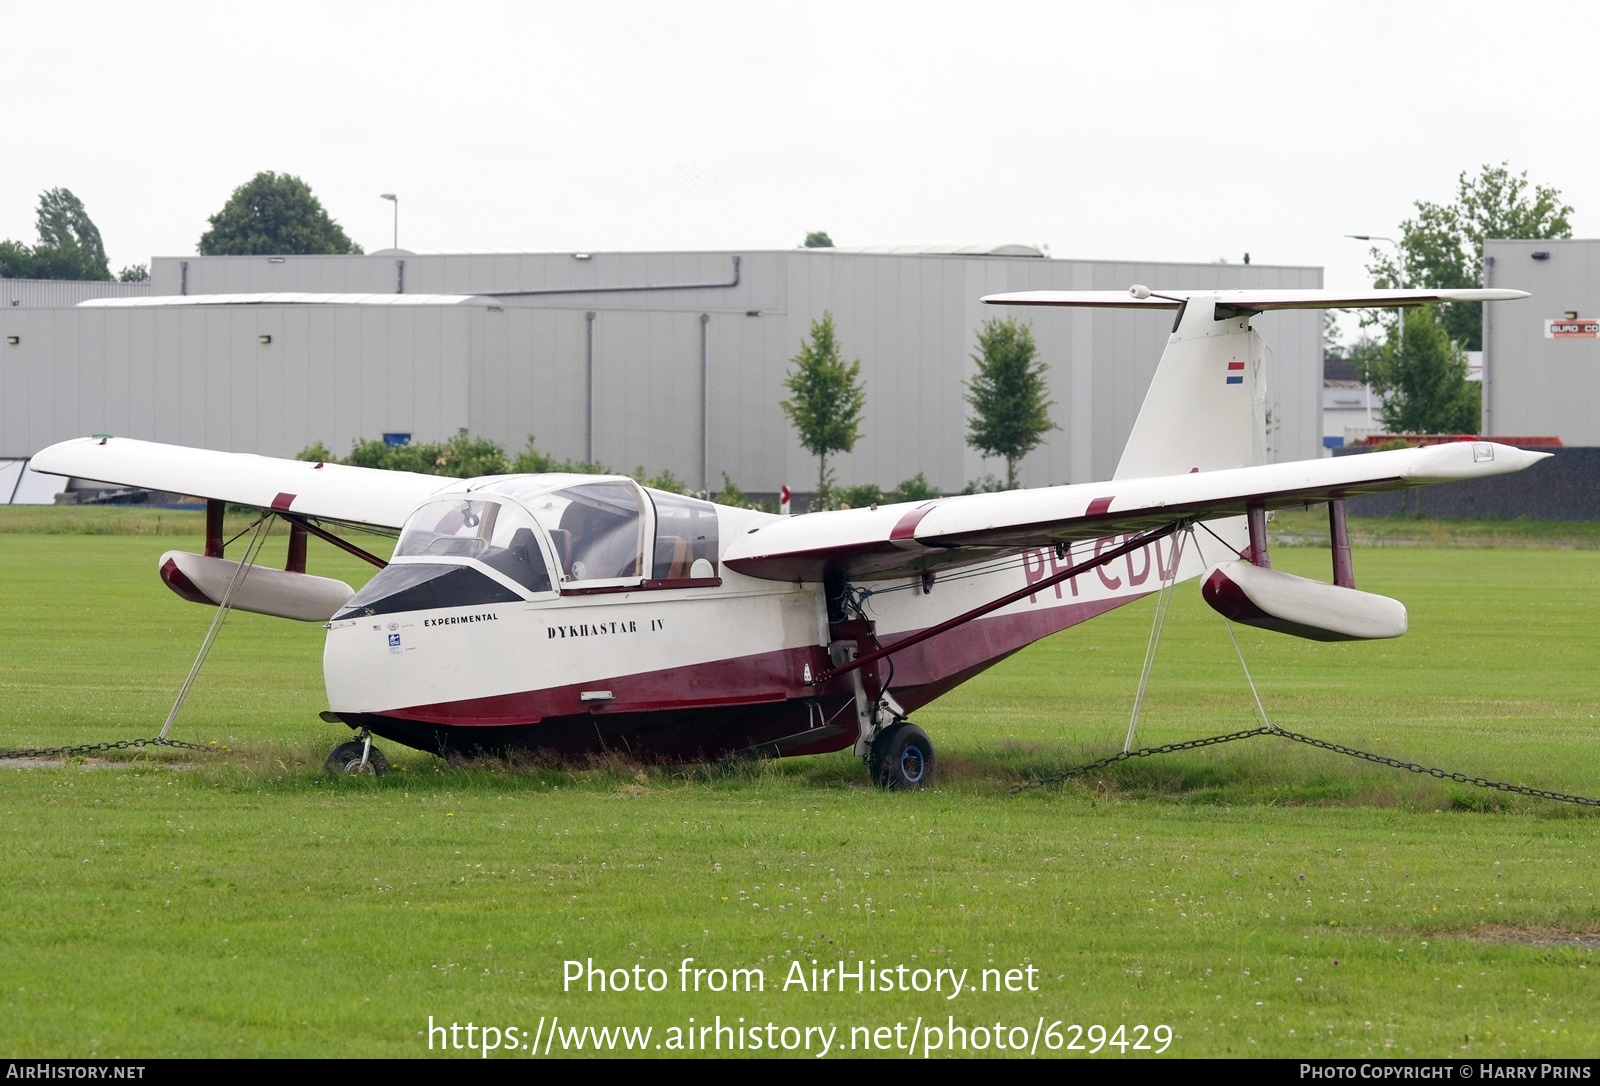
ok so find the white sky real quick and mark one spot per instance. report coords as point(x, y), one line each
point(1155, 131)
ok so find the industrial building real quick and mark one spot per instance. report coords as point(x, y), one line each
point(1541, 356)
point(669, 361)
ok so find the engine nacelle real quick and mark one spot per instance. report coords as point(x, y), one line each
point(1272, 600)
point(276, 592)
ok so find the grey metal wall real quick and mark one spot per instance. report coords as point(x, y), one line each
point(913, 320)
point(53, 293)
point(1534, 386)
point(199, 376)
point(519, 367)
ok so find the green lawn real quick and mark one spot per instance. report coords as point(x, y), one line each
point(1261, 898)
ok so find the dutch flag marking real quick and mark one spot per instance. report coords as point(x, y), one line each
point(1235, 373)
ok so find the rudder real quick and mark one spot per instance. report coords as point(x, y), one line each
point(1205, 409)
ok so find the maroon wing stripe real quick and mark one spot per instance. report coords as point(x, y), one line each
point(907, 528)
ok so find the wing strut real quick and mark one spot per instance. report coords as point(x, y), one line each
point(251, 551)
point(1051, 581)
point(1157, 622)
point(305, 525)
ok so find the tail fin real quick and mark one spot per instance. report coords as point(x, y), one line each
point(1206, 406)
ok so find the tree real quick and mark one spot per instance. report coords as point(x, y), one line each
point(1443, 245)
point(1010, 414)
point(818, 239)
point(65, 227)
point(826, 401)
point(134, 273)
point(69, 243)
point(273, 214)
point(1423, 384)
point(462, 456)
point(16, 260)
point(1330, 335)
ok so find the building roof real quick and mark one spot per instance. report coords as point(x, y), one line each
point(938, 250)
point(287, 298)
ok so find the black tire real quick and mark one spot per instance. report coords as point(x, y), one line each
point(346, 758)
point(902, 758)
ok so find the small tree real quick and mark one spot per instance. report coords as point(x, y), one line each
point(273, 214)
point(818, 239)
point(1423, 384)
point(825, 401)
point(730, 494)
point(859, 496)
point(1010, 414)
point(915, 489)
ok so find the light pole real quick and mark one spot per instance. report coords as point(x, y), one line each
point(395, 200)
point(1400, 258)
point(1399, 314)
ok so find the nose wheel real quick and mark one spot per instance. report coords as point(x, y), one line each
point(901, 759)
point(357, 756)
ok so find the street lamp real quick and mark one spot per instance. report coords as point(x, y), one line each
point(1400, 254)
point(1400, 319)
point(1400, 257)
point(395, 200)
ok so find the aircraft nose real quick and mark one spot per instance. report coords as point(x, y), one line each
point(405, 587)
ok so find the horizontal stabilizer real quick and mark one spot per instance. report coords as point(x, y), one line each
point(1273, 600)
point(1250, 301)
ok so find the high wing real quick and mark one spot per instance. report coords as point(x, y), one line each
point(903, 540)
point(332, 491)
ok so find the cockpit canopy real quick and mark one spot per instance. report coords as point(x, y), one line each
point(500, 535)
point(597, 529)
point(521, 536)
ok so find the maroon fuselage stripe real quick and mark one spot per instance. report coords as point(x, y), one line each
point(722, 705)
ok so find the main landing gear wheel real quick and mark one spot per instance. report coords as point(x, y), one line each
point(902, 758)
point(346, 758)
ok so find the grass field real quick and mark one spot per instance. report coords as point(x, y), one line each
point(1261, 898)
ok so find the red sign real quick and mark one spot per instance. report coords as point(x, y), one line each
point(1572, 328)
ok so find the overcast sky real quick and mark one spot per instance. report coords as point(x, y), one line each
point(1185, 132)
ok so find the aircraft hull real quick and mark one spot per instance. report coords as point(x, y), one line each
point(712, 669)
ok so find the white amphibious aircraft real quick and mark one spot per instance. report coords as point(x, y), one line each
point(577, 613)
